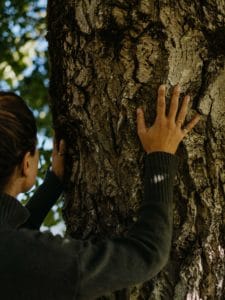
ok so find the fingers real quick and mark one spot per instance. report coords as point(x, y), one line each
point(141, 127)
point(174, 103)
point(59, 149)
point(62, 147)
point(161, 102)
point(183, 111)
point(191, 124)
point(58, 160)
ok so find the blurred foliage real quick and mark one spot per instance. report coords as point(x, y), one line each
point(24, 70)
point(23, 60)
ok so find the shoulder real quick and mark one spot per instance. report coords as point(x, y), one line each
point(26, 240)
point(43, 259)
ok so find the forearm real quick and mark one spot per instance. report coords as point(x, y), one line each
point(42, 201)
point(154, 227)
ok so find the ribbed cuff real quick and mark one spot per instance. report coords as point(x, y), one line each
point(52, 179)
point(161, 162)
point(160, 171)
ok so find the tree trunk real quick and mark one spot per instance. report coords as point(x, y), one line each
point(109, 57)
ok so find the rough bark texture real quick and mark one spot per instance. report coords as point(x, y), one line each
point(107, 58)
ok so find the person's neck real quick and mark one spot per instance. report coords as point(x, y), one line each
point(13, 192)
point(13, 188)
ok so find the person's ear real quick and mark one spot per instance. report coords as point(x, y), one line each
point(25, 166)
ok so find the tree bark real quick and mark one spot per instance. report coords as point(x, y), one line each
point(109, 57)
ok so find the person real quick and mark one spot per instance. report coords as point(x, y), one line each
point(39, 265)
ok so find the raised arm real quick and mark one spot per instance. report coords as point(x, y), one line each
point(47, 194)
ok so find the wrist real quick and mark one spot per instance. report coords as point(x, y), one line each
point(57, 174)
point(161, 150)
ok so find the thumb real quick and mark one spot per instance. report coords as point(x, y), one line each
point(141, 127)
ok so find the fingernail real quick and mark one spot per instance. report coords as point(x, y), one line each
point(139, 110)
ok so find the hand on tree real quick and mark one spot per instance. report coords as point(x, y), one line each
point(166, 133)
point(58, 159)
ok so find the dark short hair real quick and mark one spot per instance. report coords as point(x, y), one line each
point(18, 134)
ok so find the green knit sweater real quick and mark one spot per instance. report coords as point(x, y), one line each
point(35, 265)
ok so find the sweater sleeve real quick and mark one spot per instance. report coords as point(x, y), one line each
point(42, 201)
